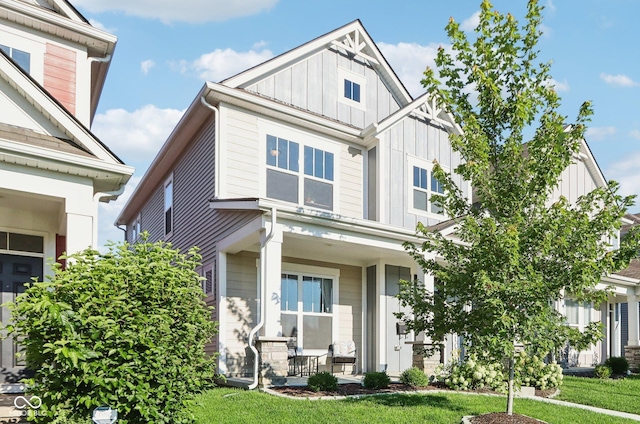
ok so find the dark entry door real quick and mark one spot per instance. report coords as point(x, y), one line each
point(15, 271)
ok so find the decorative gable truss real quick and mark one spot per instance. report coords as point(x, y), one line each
point(353, 43)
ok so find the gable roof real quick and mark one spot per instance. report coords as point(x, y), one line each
point(352, 38)
point(86, 149)
point(64, 21)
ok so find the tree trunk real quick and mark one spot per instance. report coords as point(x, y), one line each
point(511, 378)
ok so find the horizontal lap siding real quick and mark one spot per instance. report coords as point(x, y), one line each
point(152, 215)
point(241, 162)
point(241, 312)
point(351, 182)
point(60, 75)
point(313, 84)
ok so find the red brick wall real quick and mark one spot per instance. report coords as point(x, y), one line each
point(60, 75)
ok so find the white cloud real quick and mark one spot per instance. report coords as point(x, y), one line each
point(635, 134)
point(409, 60)
point(559, 85)
point(471, 22)
point(627, 173)
point(100, 26)
point(550, 7)
point(180, 11)
point(146, 65)
point(108, 213)
point(137, 135)
point(599, 133)
point(221, 64)
point(619, 80)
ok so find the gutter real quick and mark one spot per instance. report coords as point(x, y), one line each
point(262, 296)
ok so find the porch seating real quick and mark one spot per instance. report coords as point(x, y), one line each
point(342, 353)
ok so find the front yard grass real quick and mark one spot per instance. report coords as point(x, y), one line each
point(240, 406)
point(618, 395)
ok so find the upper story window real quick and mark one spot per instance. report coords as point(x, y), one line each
point(22, 58)
point(135, 229)
point(352, 90)
point(168, 206)
point(424, 186)
point(315, 184)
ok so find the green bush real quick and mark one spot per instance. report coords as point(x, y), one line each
point(323, 381)
point(414, 377)
point(474, 373)
point(533, 372)
point(618, 364)
point(126, 328)
point(376, 380)
point(602, 371)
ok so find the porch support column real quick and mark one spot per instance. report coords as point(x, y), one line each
point(79, 232)
point(271, 345)
point(632, 349)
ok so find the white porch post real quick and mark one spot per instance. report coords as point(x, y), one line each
point(271, 270)
point(632, 301)
point(79, 232)
point(222, 312)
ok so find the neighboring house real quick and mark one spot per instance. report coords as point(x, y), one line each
point(53, 170)
point(299, 179)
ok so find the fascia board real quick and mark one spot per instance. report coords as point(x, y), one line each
point(52, 110)
point(89, 35)
point(41, 156)
point(592, 164)
point(219, 93)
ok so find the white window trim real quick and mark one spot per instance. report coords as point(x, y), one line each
point(424, 164)
point(136, 229)
point(303, 139)
point(164, 207)
point(315, 271)
point(346, 74)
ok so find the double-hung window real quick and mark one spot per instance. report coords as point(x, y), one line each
point(424, 186)
point(22, 58)
point(318, 182)
point(282, 169)
point(307, 309)
point(168, 206)
point(313, 185)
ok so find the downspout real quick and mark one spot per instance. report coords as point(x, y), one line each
point(92, 59)
point(262, 289)
point(216, 147)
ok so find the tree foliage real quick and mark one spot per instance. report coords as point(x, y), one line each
point(126, 329)
point(520, 248)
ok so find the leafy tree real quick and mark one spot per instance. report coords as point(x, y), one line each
point(519, 249)
point(126, 329)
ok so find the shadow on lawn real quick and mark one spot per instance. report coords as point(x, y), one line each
point(409, 400)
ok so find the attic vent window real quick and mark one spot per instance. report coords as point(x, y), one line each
point(22, 58)
point(352, 90)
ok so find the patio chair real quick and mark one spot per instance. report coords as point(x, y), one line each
point(342, 353)
point(292, 356)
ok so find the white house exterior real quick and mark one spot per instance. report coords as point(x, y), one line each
point(53, 170)
point(300, 179)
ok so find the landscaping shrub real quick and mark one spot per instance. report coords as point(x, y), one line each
point(376, 380)
point(414, 377)
point(474, 373)
point(618, 364)
point(602, 371)
point(126, 328)
point(323, 381)
point(533, 372)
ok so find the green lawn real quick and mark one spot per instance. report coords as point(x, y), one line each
point(619, 395)
point(238, 406)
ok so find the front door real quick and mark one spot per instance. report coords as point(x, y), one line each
point(15, 271)
point(399, 353)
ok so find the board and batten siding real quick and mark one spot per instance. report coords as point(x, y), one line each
point(575, 181)
point(314, 84)
point(242, 277)
point(416, 138)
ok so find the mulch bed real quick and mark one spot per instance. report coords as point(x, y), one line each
point(354, 389)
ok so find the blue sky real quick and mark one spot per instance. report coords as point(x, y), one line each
point(167, 49)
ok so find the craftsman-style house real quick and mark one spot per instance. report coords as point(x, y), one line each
point(53, 170)
point(300, 179)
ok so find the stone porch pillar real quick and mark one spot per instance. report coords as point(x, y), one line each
point(424, 361)
point(632, 349)
point(274, 363)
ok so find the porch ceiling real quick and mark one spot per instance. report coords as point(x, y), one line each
point(29, 202)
